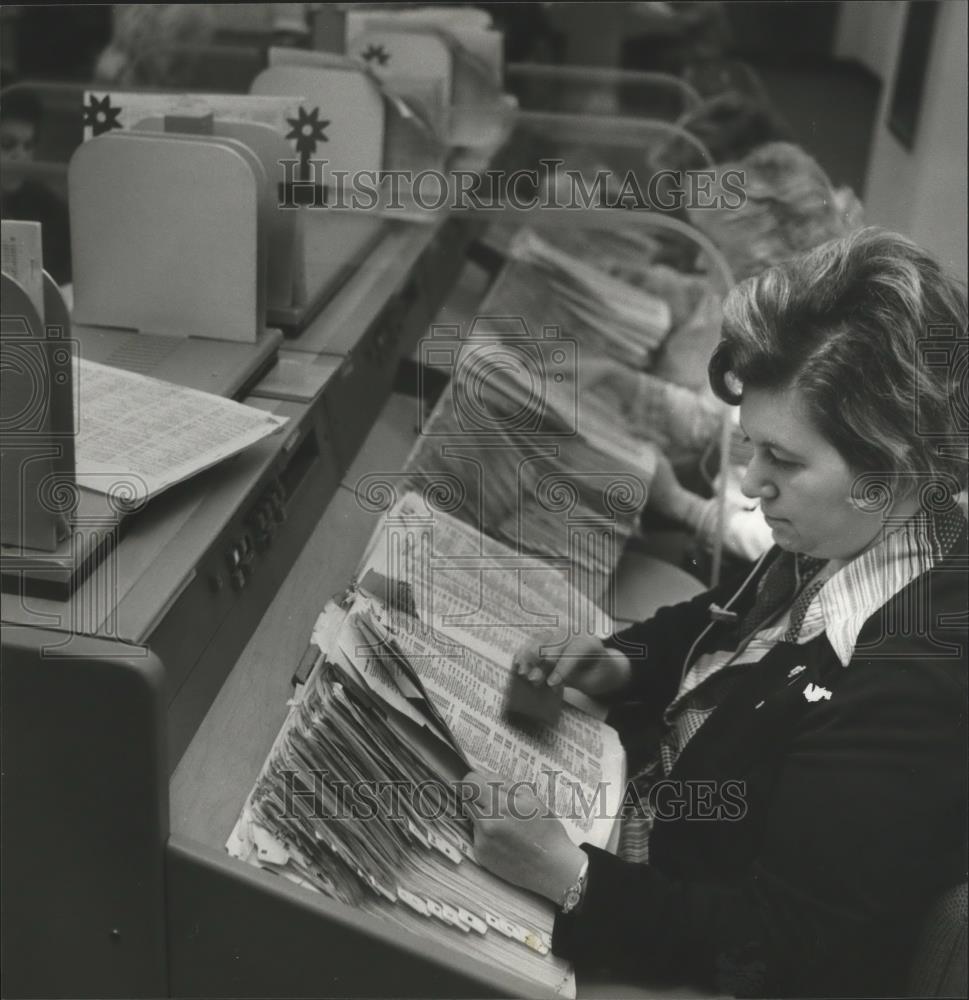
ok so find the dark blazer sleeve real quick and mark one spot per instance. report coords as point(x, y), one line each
point(658, 646)
point(851, 831)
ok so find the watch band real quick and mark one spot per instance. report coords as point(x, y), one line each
point(575, 892)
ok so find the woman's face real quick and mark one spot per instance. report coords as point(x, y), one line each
point(803, 484)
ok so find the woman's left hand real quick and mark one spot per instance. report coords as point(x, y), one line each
point(517, 838)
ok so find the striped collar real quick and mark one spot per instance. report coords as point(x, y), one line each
point(857, 590)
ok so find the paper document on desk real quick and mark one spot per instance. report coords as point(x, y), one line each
point(407, 695)
point(571, 498)
point(471, 602)
point(138, 435)
point(394, 858)
point(472, 589)
point(577, 763)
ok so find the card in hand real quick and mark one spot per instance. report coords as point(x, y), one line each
point(533, 702)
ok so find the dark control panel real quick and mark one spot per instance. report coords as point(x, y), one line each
point(261, 525)
point(206, 629)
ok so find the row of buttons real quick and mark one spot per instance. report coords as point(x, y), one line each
point(270, 512)
point(261, 522)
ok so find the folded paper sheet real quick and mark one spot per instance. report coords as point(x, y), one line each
point(138, 436)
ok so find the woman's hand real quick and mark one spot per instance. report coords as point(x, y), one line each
point(583, 663)
point(518, 839)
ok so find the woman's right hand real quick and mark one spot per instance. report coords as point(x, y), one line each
point(583, 663)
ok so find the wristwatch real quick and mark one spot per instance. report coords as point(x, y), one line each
point(575, 892)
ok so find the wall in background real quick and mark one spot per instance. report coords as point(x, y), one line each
point(780, 32)
point(919, 191)
point(867, 33)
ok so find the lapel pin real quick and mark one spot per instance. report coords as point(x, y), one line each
point(796, 671)
point(814, 692)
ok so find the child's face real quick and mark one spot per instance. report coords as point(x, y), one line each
point(16, 146)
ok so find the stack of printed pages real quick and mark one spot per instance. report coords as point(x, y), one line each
point(360, 796)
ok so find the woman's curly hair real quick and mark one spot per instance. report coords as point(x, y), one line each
point(872, 332)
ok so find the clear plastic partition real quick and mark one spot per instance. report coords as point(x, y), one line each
point(58, 112)
point(713, 77)
point(593, 91)
point(586, 356)
point(606, 161)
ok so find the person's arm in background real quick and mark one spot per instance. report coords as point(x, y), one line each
point(745, 532)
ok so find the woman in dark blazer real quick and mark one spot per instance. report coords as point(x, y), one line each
point(806, 795)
